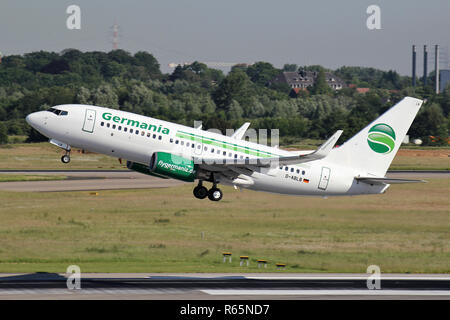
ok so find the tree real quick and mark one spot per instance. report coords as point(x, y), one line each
point(234, 111)
point(262, 72)
point(149, 62)
point(3, 133)
point(430, 122)
point(320, 84)
point(236, 86)
point(35, 61)
point(290, 67)
point(105, 96)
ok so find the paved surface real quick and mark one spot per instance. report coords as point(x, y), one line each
point(87, 180)
point(224, 286)
point(79, 180)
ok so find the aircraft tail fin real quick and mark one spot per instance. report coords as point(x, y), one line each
point(373, 148)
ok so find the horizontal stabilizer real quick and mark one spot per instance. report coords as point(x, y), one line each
point(373, 180)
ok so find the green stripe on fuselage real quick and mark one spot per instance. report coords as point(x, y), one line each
point(224, 145)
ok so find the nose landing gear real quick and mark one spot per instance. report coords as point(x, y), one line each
point(65, 158)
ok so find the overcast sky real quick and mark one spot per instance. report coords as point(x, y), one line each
point(330, 33)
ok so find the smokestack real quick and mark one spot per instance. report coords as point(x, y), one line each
point(413, 65)
point(425, 65)
point(436, 66)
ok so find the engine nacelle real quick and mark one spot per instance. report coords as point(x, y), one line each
point(142, 168)
point(173, 166)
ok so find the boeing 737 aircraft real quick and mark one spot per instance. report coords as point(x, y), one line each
point(168, 150)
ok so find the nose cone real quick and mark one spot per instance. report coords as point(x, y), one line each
point(32, 119)
point(37, 120)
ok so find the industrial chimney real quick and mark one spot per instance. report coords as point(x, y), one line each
point(436, 66)
point(413, 65)
point(425, 65)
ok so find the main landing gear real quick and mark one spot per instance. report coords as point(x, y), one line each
point(213, 194)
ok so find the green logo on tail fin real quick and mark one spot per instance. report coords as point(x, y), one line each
point(381, 138)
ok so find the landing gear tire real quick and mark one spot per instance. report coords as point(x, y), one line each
point(200, 192)
point(215, 194)
point(65, 158)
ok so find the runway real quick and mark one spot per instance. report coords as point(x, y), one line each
point(89, 180)
point(86, 180)
point(266, 286)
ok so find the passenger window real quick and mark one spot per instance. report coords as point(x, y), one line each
point(113, 126)
point(205, 148)
point(193, 146)
point(154, 136)
point(171, 140)
point(224, 153)
point(187, 144)
point(148, 135)
point(108, 125)
point(102, 123)
point(286, 168)
point(120, 128)
point(64, 113)
point(303, 172)
point(142, 133)
point(176, 141)
point(212, 150)
point(182, 142)
point(137, 131)
point(199, 146)
point(131, 130)
point(160, 137)
point(235, 156)
point(298, 171)
point(125, 129)
point(292, 169)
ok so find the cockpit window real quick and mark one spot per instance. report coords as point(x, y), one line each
point(58, 112)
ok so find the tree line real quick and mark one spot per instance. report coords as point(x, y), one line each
point(117, 79)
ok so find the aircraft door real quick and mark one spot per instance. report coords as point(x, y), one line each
point(324, 178)
point(89, 120)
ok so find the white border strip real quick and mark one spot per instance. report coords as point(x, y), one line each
point(250, 292)
point(350, 278)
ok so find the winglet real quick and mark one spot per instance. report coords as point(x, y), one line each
point(239, 133)
point(326, 147)
point(320, 153)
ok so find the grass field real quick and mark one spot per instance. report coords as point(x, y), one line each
point(43, 155)
point(422, 159)
point(47, 156)
point(29, 177)
point(167, 230)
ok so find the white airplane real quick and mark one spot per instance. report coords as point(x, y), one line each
point(169, 150)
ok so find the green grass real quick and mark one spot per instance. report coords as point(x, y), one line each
point(46, 156)
point(160, 230)
point(26, 177)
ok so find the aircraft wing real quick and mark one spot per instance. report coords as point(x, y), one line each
point(239, 133)
point(374, 180)
point(320, 153)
